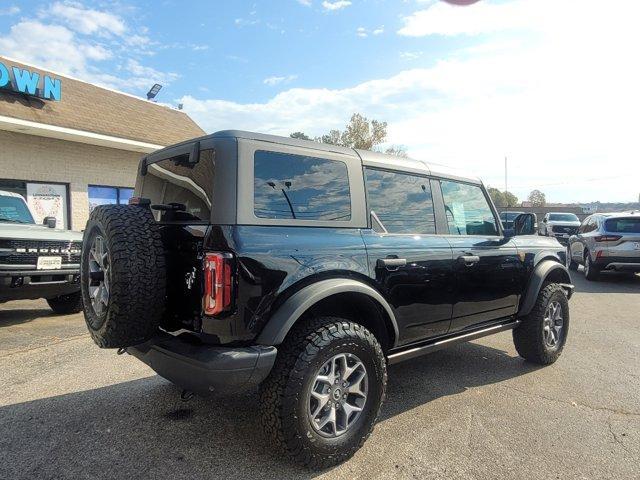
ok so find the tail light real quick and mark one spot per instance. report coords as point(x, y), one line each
point(218, 283)
point(607, 238)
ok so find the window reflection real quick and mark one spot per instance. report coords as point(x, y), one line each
point(467, 209)
point(300, 187)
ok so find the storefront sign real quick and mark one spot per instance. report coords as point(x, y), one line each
point(27, 82)
point(48, 200)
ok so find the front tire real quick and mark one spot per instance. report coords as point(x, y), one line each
point(591, 272)
point(541, 336)
point(571, 264)
point(322, 398)
point(66, 304)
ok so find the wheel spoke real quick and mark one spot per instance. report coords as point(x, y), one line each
point(322, 399)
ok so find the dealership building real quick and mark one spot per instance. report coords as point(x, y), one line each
point(68, 145)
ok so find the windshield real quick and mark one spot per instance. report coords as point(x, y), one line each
point(623, 225)
point(563, 217)
point(14, 209)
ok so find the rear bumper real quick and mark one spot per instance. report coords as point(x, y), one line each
point(33, 284)
point(622, 264)
point(203, 368)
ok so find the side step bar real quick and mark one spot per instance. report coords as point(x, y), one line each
point(447, 342)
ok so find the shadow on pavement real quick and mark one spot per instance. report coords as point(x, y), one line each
point(16, 316)
point(141, 428)
point(608, 282)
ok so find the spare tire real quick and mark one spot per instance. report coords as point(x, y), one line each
point(123, 275)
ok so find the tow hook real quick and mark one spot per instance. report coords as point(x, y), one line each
point(186, 395)
point(121, 350)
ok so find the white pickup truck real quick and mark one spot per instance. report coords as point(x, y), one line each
point(37, 261)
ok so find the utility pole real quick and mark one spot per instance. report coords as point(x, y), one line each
point(505, 184)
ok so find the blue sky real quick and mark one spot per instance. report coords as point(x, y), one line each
point(552, 85)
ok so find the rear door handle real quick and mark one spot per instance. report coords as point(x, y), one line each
point(391, 263)
point(469, 260)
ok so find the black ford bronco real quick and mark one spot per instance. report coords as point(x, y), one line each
point(305, 268)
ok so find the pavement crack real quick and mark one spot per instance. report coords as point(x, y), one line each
point(615, 437)
point(617, 411)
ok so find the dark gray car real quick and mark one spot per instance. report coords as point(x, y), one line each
point(606, 241)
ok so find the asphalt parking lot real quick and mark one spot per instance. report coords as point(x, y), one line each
point(71, 410)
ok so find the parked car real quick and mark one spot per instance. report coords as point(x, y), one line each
point(507, 219)
point(606, 241)
point(37, 261)
point(305, 268)
point(559, 225)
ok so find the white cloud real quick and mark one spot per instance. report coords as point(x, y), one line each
point(74, 40)
point(410, 55)
point(306, 3)
point(562, 105)
point(273, 81)
point(13, 10)
point(379, 30)
point(87, 21)
point(338, 5)
point(361, 32)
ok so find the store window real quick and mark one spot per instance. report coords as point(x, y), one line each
point(44, 199)
point(104, 195)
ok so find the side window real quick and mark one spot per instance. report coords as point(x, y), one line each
point(467, 209)
point(300, 187)
point(585, 225)
point(401, 202)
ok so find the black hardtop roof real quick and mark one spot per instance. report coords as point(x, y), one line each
point(369, 158)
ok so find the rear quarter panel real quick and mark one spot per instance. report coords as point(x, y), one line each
point(275, 262)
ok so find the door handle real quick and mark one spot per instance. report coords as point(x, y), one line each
point(391, 263)
point(469, 260)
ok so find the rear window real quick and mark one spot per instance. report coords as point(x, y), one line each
point(176, 181)
point(300, 187)
point(622, 225)
point(563, 217)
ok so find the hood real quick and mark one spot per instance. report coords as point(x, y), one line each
point(24, 231)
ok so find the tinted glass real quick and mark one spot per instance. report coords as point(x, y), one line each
point(563, 217)
point(623, 225)
point(467, 210)
point(300, 187)
point(13, 209)
point(177, 181)
point(402, 203)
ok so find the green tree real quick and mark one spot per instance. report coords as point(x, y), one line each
point(360, 133)
point(502, 199)
point(537, 198)
point(300, 135)
point(497, 196)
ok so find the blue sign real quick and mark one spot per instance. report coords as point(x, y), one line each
point(29, 83)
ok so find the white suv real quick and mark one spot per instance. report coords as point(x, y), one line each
point(37, 261)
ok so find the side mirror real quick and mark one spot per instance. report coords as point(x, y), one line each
point(525, 224)
point(544, 220)
point(49, 222)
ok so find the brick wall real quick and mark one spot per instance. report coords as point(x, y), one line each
point(27, 157)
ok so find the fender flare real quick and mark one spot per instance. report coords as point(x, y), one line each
point(538, 276)
point(293, 308)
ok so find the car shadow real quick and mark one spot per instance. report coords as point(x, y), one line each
point(16, 316)
point(141, 429)
point(608, 282)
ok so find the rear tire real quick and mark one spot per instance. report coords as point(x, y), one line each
point(541, 336)
point(66, 304)
point(122, 275)
point(591, 272)
point(291, 409)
